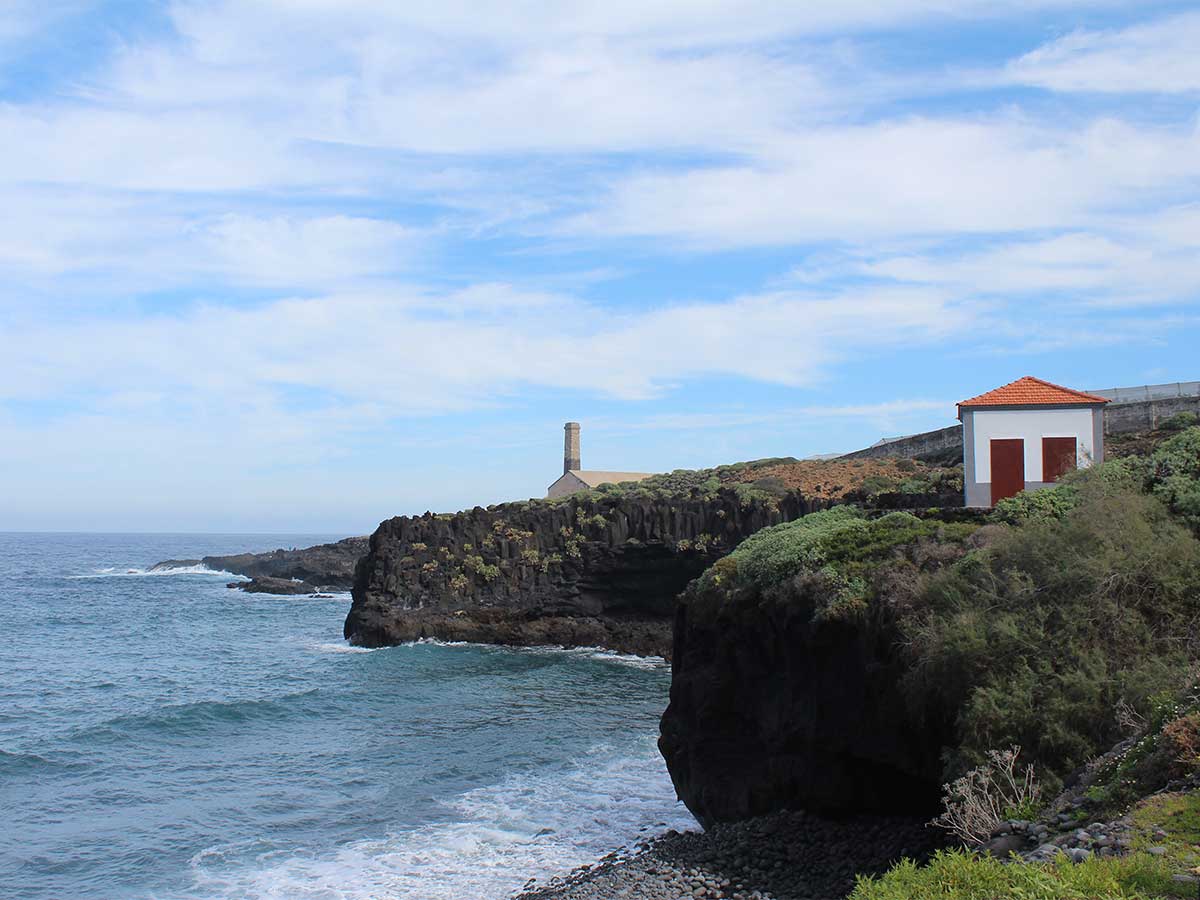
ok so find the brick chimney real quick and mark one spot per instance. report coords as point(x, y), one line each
point(571, 447)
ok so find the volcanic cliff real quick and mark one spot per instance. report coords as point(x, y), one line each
point(594, 569)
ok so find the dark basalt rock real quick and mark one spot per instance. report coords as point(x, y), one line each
point(593, 570)
point(328, 567)
point(772, 710)
point(269, 585)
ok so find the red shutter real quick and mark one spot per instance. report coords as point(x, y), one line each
point(1058, 457)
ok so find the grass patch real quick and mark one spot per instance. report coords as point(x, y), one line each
point(958, 875)
point(1179, 816)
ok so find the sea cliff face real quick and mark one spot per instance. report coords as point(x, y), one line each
point(593, 569)
point(788, 681)
point(773, 708)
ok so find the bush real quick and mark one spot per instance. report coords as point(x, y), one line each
point(1032, 506)
point(992, 793)
point(833, 557)
point(958, 875)
point(1180, 421)
point(1174, 475)
point(1034, 639)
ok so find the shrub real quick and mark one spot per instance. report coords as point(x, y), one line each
point(1174, 475)
point(488, 572)
point(1180, 421)
point(832, 557)
point(978, 802)
point(772, 485)
point(1035, 639)
point(1031, 506)
point(878, 484)
point(1181, 743)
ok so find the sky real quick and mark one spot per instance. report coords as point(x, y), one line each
point(302, 265)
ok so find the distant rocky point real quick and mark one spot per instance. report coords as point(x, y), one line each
point(311, 570)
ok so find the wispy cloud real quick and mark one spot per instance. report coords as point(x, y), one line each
point(1151, 57)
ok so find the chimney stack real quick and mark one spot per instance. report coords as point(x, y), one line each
point(571, 447)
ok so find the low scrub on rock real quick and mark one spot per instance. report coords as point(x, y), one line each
point(834, 555)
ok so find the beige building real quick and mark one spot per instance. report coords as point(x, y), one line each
point(575, 478)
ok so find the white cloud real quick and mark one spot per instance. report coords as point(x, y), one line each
point(307, 252)
point(1155, 57)
point(415, 354)
point(136, 244)
point(1134, 262)
point(912, 177)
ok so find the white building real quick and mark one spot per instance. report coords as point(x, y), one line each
point(575, 478)
point(1026, 435)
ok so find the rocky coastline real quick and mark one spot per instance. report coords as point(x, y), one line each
point(595, 569)
point(324, 568)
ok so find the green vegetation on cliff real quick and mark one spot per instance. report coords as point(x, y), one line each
point(831, 555)
point(1032, 630)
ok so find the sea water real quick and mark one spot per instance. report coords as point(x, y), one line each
point(162, 736)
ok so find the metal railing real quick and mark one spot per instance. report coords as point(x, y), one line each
point(1151, 392)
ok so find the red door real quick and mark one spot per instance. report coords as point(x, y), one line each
point(1008, 468)
point(1058, 457)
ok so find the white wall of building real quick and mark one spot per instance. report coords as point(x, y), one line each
point(1031, 425)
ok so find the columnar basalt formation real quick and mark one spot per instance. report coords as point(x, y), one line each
point(594, 569)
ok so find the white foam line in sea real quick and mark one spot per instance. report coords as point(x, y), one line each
point(528, 825)
point(599, 653)
point(343, 647)
point(135, 572)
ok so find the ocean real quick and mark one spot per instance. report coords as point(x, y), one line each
point(165, 738)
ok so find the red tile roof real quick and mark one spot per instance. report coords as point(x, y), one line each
point(1030, 391)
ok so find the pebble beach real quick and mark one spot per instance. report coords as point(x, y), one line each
point(785, 856)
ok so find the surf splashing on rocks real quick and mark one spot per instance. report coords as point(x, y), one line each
point(154, 571)
point(493, 841)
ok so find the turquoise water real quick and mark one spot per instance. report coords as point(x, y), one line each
point(162, 737)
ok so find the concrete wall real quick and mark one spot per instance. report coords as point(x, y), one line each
point(913, 445)
point(1146, 414)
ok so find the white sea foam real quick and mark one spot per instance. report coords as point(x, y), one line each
point(342, 647)
point(135, 572)
point(599, 653)
point(529, 825)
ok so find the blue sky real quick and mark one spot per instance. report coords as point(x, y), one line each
point(300, 265)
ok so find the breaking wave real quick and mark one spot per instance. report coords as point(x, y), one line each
point(136, 572)
point(494, 840)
